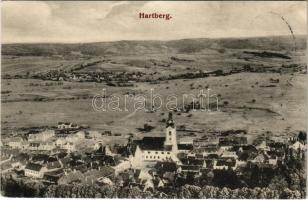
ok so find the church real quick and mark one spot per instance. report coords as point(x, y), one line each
point(156, 148)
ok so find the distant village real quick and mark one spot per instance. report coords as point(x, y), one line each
point(68, 154)
point(127, 79)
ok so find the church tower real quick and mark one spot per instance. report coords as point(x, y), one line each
point(171, 134)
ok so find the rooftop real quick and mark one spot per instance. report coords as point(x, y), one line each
point(34, 167)
point(151, 143)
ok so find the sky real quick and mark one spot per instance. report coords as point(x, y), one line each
point(78, 22)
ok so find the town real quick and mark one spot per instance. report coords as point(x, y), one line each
point(71, 156)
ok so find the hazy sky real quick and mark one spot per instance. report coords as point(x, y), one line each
point(108, 21)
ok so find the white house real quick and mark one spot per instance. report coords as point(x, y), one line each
point(15, 142)
point(229, 154)
point(80, 135)
point(272, 160)
point(297, 145)
point(34, 146)
point(34, 170)
point(67, 125)
point(69, 146)
point(47, 146)
point(263, 146)
point(43, 136)
point(122, 166)
point(60, 141)
point(95, 134)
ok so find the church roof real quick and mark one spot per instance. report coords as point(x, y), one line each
point(152, 143)
point(185, 146)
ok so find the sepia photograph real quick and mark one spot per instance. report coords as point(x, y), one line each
point(154, 99)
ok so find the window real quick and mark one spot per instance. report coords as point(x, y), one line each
point(150, 157)
point(156, 152)
point(158, 157)
point(154, 157)
point(168, 152)
point(162, 152)
point(169, 138)
point(149, 152)
point(169, 132)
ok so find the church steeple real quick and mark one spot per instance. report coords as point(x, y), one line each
point(170, 122)
point(171, 134)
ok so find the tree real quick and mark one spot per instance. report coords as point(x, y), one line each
point(302, 136)
point(278, 183)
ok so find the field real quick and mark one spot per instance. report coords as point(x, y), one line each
point(247, 100)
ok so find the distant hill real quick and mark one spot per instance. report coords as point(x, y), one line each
point(276, 43)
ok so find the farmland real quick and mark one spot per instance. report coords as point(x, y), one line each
point(249, 99)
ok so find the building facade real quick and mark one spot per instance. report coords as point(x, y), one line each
point(153, 149)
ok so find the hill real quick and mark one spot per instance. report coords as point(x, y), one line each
point(277, 43)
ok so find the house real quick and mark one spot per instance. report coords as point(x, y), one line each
point(16, 142)
point(225, 163)
point(227, 143)
point(263, 146)
point(272, 160)
point(42, 159)
point(191, 164)
point(105, 181)
point(122, 166)
point(53, 176)
point(67, 125)
point(205, 141)
point(185, 148)
point(189, 168)
point(244, 148)
point(80, 135)
point(165, 166)
point(260, 158)
point(229, 153)
point(69, 146)
point(53, 166)
point(60, 141)
point(144, 175)
point(63, 125)
point(46, 146)
point(104, 150)
point(95, 134)
point(273, 154)
point(297, 146)
point(211, 156)
point(151, 149)
point(209, 149)
point(34, 170)
point(43, 136)
point(148, 185)
point(34, 146)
